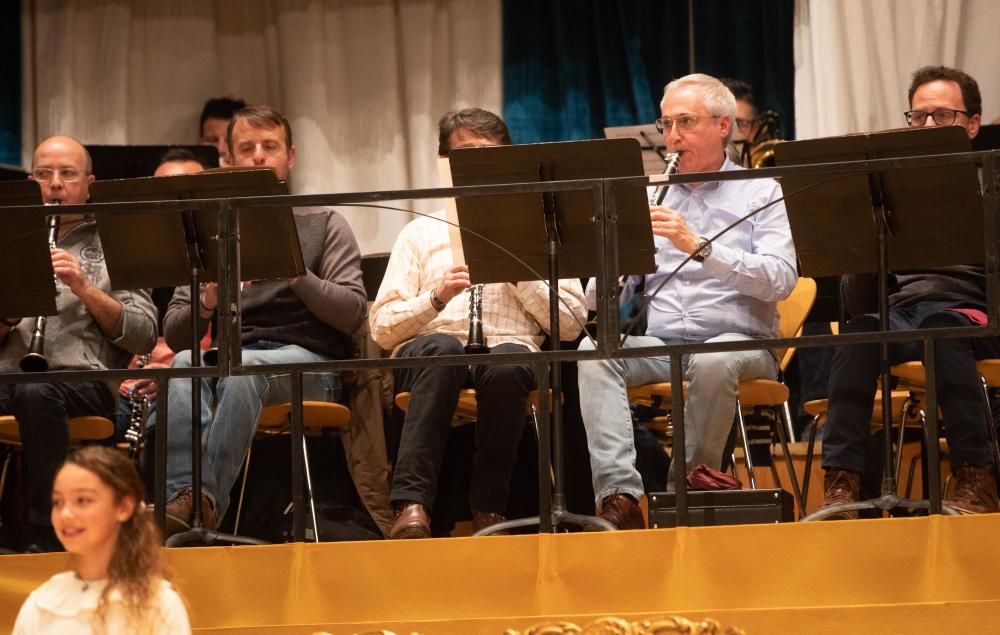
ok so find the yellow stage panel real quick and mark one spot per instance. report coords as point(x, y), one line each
point(824, 577)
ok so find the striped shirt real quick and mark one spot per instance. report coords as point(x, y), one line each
point(515, 313)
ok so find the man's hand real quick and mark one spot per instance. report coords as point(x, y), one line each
point(147, 387)
point(67, 269)
point(672, 226)
point(454, 282)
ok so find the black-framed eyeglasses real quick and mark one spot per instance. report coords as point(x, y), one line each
point(941, 116)
point(685, 123)
point(744, 124)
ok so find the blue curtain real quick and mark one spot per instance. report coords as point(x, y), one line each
point(10, 78)
point(571, 68)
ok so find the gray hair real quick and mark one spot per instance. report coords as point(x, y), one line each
point(718, 99)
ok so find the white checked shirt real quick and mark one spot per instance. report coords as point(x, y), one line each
point(511, 313)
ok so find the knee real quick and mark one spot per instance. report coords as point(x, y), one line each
point(28, 397)
point(711, 367)
point(182, 360)
point(505, 377)
point(441, 344)
point(862, 324)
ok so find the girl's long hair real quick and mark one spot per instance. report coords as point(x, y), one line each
point(137, 566)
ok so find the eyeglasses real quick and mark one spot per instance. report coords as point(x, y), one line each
point(744, 124)
point(685, 123)
point(942, 116)
point(66, 175)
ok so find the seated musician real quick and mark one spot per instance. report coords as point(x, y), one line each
point(932, 298)
point(136, 397)
point(422, 309)
point(306, 319)
point(96, 329)
point(729, 291)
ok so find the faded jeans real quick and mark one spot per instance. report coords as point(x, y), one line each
point(228, 428)
point(709, 408)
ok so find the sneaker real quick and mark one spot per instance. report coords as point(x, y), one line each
point(975, 491)
point(840, 487)
point(178, 513)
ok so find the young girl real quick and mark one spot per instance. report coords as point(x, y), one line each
point(118, 582)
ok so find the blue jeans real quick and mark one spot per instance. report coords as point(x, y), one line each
point(709, 408)
point(228, 428)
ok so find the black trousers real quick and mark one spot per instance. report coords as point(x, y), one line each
point(501, 395)
point(42, 411)
point(854, 378)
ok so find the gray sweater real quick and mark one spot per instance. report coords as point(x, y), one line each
point(320, 313)
point(73, 340)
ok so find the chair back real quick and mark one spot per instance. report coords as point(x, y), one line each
point(793, 311)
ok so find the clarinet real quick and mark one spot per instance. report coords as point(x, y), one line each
point(34, 360)
point(477, 340)
point(139, 406)
point(660, 192)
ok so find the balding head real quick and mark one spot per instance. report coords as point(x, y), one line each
point(62, 167)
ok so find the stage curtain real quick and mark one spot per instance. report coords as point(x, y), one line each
point(854, 58)
point(363, 82)
point(572, 68)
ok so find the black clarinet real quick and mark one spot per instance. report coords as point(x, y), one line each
point(139, 406)
point(477, 340)
point(34, 360)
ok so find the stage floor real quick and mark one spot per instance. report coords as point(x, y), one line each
point(908, 576)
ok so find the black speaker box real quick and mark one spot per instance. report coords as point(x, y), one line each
point(729, 507)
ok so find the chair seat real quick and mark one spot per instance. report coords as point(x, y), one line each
point(315, 414)
point(762, 392)
point(88, 428)
point(819, 407)
point(647, 393)
point(990, 370)
point(466, 408)
point(912, 373)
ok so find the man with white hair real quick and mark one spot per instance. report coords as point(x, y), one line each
point(728, 291)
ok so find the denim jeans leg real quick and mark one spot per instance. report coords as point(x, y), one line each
point(607, 417)
point(711, 398)
point(179, 429)
point(239, 400)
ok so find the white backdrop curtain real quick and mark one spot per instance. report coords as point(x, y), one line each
point(854, 58)
point(363, 82)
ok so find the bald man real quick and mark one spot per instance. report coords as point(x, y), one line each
point(96, 329)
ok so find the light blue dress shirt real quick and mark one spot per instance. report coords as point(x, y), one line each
point(736, 289)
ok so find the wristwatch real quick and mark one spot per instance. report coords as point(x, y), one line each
point(702, 251)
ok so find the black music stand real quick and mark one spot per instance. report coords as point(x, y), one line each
point(186, 251)
point(24, 249)
point(553, 232)
point(882, 221)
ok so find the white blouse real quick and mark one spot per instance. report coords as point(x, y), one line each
point(66, 605)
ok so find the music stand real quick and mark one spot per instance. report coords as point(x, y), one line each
point(882, 221)
point(24, 249)
point(552, 232)
point(651, 142)
point(186, 250)
point(135, 161)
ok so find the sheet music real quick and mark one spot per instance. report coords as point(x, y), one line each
point(451, 213)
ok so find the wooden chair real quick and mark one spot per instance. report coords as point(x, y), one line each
point(81, 429)
point(277, 419)
point(757, 392)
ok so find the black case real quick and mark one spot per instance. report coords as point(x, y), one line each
point(730, 507)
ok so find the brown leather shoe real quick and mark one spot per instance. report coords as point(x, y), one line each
point(412, 521)
point(841, 486)
point(622, 511)
point(975, 491)
point(482, 520)
point(179, 513)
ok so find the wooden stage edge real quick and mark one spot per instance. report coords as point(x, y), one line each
point(909, 575)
